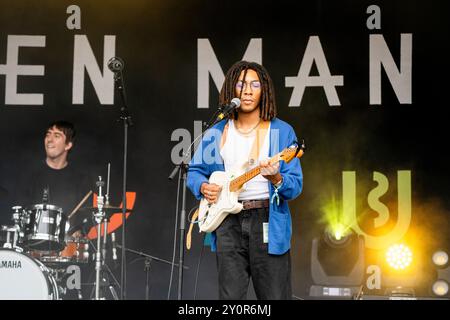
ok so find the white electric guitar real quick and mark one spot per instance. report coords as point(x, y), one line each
point(210, 216)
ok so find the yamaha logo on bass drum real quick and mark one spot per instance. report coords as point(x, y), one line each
point(10, 264)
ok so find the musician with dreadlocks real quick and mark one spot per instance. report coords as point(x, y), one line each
point(255, 243)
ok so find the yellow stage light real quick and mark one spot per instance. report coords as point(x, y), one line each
point(399, 256)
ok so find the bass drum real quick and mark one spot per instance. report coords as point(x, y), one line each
point(25, 278)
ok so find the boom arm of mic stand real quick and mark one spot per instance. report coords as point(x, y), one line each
point(185, 157)
point(125, 115)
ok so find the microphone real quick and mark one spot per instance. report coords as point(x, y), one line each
point(45, 197)
point(114, 249)
point(115, 64)
point(227, 109)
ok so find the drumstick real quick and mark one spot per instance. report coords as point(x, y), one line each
point(80, 204)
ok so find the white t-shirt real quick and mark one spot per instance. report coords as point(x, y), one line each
point(236, 153)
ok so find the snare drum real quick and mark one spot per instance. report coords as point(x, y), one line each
point(76, 251)
point(45, 228)
point(25, 278)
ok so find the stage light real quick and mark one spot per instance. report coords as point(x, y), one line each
point(399, 256)
point(440, 288)
point(337, 233)
point(337, 236)
point(337, 264)
point(440, 285)
point(440, 258)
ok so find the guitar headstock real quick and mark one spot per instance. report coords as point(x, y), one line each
point(295, 151)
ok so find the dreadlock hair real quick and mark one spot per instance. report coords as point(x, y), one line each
point(268, 108)
point(66, 127)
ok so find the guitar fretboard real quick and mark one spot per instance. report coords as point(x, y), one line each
point(237, 183)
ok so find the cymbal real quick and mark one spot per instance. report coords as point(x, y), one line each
point(84, 217)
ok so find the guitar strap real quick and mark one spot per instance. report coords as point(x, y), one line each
point(189, 234)
point(261, 133)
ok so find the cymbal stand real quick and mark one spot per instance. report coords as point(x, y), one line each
point(104, 282)
point(99, 215)
point(106, 219)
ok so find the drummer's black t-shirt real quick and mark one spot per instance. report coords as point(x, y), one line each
point(67, 187)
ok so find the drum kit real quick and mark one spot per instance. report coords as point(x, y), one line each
point(41, 250)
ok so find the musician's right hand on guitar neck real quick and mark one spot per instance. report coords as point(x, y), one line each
point(210, 191)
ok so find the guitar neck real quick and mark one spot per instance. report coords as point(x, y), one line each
point(238, 182)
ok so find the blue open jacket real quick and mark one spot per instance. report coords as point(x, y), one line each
point(207, 159)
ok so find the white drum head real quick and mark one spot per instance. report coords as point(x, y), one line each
point(21, 277)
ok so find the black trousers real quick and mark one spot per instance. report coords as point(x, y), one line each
point(242, 253)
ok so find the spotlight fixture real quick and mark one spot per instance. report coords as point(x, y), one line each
point(399, 256)
point(440, 288)
point(440, 258)
point(337, 236)
point(440, 285)
point(337, 264)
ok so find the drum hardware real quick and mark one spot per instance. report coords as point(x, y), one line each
point(106, 283)
point(104, 280)
point(11, 237)
point(100, 217)
point(19, 218)
point(87, 220)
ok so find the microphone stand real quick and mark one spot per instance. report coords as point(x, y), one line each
point(148, 260)
point(184, 166)
point(147, 263)
point(127, 122)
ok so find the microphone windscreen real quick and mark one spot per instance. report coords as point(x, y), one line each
point(236, 101)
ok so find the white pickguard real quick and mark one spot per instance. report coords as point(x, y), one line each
point(211, 216)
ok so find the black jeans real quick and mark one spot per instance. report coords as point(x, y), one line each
point(242, 253)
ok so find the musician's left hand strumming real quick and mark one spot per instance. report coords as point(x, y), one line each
point(271, 171)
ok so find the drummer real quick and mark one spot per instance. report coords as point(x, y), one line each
point(66, 184)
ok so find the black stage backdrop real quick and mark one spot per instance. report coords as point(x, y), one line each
point(373, 110)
